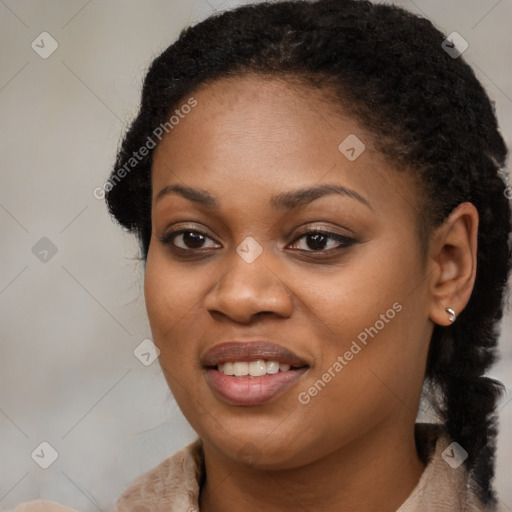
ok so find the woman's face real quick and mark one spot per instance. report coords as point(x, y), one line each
point(350, 304)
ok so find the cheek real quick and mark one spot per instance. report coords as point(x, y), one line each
point(371, 314)
point(171, 297)
point(352, 298)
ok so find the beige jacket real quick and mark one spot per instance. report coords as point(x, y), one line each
point(173, 485)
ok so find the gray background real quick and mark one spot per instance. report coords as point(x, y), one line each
point(68, 374)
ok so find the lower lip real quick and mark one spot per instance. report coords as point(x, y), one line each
point(251, 390)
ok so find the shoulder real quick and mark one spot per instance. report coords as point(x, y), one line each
point(42, 506)
point(172, 485)
point(445, 485)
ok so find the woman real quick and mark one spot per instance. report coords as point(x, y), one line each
point(317, 190)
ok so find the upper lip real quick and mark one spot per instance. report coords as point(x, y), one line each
point(231, 351)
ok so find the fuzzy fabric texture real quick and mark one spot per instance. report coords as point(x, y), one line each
point(174, 485)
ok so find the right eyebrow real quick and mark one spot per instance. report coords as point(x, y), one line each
point(196, 195)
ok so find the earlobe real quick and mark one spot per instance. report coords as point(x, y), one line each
point(453, 260)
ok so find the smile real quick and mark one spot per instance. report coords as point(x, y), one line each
point(251, 373)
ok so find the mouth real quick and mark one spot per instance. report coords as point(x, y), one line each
point(251, 373)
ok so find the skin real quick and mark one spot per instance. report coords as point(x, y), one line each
point(352, 446)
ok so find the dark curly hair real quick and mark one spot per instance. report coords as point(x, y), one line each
point(428, 115)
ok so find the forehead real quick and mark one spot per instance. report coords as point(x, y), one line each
point(251, 137)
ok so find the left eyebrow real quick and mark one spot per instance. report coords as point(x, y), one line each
point(285, 201)
point(297, 198)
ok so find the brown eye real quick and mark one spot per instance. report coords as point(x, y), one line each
point(186, 239)
point(192, 240)
point(317, 241)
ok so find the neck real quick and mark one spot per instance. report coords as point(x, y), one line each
point(374, 474)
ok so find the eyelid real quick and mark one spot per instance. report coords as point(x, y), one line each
point(324, 227)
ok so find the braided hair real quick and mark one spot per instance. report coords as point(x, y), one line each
point(428, 115)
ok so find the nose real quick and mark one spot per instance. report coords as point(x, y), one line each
point(248, 290)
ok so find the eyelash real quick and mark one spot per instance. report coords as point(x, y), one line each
point(344, 241)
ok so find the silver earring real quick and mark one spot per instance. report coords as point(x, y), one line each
point(452, 314)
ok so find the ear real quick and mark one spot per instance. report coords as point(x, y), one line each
point(452, 261)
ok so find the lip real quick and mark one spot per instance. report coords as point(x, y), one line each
point(251, 390)
point(247, 391)
point(231, 351)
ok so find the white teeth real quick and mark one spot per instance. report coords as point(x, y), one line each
point(253, 368)
point(240, 369)
point(227, 368)
point(272, 366)
point(257, 368)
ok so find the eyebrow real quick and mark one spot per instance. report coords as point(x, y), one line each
point(284, 201)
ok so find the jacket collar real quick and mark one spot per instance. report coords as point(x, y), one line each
point(174, 485)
